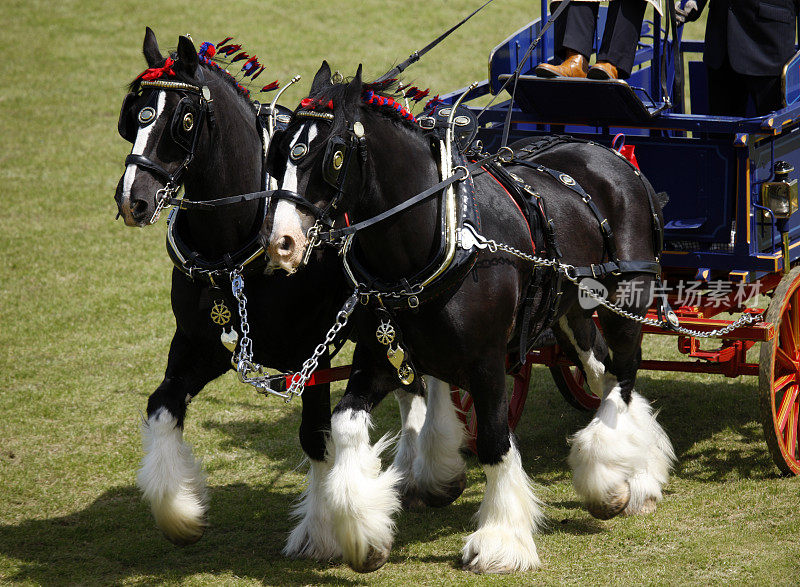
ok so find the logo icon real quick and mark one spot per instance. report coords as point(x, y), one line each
point(585, 299)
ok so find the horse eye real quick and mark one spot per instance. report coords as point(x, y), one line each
point(146, 115)
point(188, 121)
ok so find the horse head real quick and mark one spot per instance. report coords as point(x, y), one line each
point(179, 133)
point(327, 161)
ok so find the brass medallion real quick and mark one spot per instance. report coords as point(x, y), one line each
point(220, 314)
point(385, 333)
point(146, 115)
point(298, 151)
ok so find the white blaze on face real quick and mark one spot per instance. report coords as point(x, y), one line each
point(142, 139)
point(287, 220)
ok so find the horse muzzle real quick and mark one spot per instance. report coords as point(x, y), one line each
point(285, 236)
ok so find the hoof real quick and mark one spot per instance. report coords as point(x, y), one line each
point(613, 505)
point(448, 494)
point(186, 539)
point(374, 560)
point(648, 507)
point(412, 501)
point(474, 567)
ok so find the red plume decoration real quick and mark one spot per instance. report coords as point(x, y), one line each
point(157, 72)
point(270, 86)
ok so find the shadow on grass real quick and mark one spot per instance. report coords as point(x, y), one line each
point(115, 539)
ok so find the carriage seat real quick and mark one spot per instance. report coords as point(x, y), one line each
point(576, 100)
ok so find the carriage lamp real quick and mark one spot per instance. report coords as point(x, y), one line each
point(780, 195)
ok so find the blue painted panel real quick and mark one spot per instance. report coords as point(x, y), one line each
point(698, 83)
point(785, 147)
point(791, 80)
point(699, 178)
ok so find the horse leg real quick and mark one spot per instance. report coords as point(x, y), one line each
point(170, 477)
point(438, 469)
point(313, 537)
point(510, 512)
point(413, 413)
point(655, 455)
point(622, 457)
point(360, 497)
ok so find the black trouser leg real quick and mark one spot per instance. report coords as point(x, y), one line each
point(766, 92)
point(621, 35)
point(727, 93)
point(575, 28)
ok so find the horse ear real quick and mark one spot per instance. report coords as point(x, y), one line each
point(322, 80)
point(355, 87)
point(187, 55)
point(150, 48)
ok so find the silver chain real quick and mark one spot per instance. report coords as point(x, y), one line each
point(570, 274)
point(300, 378)
point(255, 374)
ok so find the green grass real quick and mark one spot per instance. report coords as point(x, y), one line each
point(85, 326)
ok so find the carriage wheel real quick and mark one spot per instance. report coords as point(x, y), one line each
point(572, 385)
point(466, 410)
point(779, 376)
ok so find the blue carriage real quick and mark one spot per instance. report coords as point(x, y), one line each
point(730, 219)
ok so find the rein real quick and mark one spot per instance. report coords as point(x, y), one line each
point(466, 170)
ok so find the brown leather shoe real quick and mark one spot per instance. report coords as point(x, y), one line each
point(575, 65)
point(602, 70)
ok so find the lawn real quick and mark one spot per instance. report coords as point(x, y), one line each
point(86, 325)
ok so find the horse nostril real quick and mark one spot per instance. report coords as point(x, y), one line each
point(139, 207)
point(286, 245)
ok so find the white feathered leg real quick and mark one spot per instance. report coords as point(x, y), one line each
point(171, 480)
point(360, 498)
point(438, 466)
point(412, 417)
point(622, 456)
point(509, 515)
point(646, 484)
point(313, 536)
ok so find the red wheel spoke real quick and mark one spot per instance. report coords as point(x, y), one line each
point(783, 381)
point(787, 407)
point(791, 433)
point(785, 361)
point(794, 315)
point(466, 402)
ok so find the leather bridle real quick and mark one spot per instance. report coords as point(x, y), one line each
point(185, 128)
point(339, 167)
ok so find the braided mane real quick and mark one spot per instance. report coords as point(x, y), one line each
point(385, 98)
point(208, 55)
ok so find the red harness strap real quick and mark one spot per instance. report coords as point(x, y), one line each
point(321, 376)
point(525, 218)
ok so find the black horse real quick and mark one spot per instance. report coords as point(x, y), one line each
point(286, 316)
point(194, 125)
point(348, 148)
